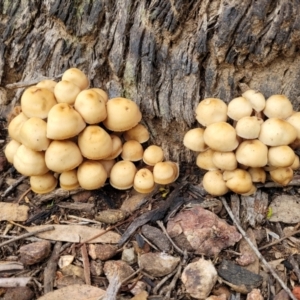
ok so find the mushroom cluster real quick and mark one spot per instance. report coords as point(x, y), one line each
point(242, 143)
point(68, 132)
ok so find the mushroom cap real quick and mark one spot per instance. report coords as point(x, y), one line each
point(144, 181)
point(107, 164)
point(101, 93)
point(122, 114)
point(43, 184)
point(175, 167)
point(193, 140)
point(138, 133)
point(278, 106)
point(91, 106)
point(296, 163)
point(122, 175)
point(77, 77)
point(164, 173)
point(211, 110)
point(68, 180)
point(205, 160)
point(132, 150)
point(238, 181)
point(277, 132)
point(252, 153)
point(220, 136)
point(37, 102)
point(256, 99)
point(91, 175)
point(11, 149)
point(63, 156)
point(248, 127)
point(224, 160)
point(251, 191)
point(294, 120)
point(95, 143)
point(33, 134)
point(152, 155)
point(238, 108)
point(66, 92)
point(64, 122)
point(47, 84)
point(116, 147)
point(29, 162)
point(214, 183)
point(15, 126)
point(281, 156)
point(282, 175)
point(257, 174)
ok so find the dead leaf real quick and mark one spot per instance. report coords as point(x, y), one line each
point(76, 234)
point(13, 212)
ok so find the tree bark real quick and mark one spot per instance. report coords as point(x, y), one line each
point(166, 55)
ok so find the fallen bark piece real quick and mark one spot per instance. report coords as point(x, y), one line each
point(111, 216)
point(119, 268)
point(35, 252)
point(87, 207)
point(10, 267)
point(238, 278)
point(255, 295)
point(155, 236)
point(102, 251)
point(158, 264)
point(77, 234)
point(205, 231)
point(13, 212)
point(74, 292)
point(14, 281)
point(19, 293)
point(285, 208)
point(72, 270)
point(133, 202)
point(199, 278)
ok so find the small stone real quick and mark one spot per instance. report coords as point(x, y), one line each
point(137, 287)
point(68, 280)
point(156, 236)
point(34, 252)
point(102, 251)
point(158, 264)
point(129, 255)
point(96, 267)
point(19, 293)
point(65, 260)
point(199, 278)
point(135, 201)
point(111, 216)
point(255, 294)
point(112, 267)
point(141, 296)
point(73, 271)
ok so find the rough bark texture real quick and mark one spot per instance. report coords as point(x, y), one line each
point(166, 55)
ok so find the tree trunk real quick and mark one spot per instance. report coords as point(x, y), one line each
point(166, 55)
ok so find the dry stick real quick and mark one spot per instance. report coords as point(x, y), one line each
point(27, 235)
point(86, 264)
point(258, 254)
point(162, 282)
point(23, 195)
point(10, 188)
point(171, 286)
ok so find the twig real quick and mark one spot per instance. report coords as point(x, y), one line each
point(84, 219)
point(11, 187)
point(173, 283)
point(86, 264)
point(113, 288)
point(131, 276)
point(27, 235)
point(255, 250)
point(162, 282)
point(23, 195)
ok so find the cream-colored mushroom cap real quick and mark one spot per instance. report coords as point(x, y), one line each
point(224, 160)
point(282, 176)
point(164, 173)
point(66, 92)
point(144, 181)
point(122, 114)
point(37, 102)
point(122, 175)
point(214, 183)
point(277, 132)
point(220, 136)
point(138, 133)
point(175, 167)
point(205, 160)
point(238, 108)
point(47, 84)
point(68, 180)
point(29, 162)
point(33, 134)
point(278, 106)
point(101, 93)
point(238, 181)
point(116, 147)
point(248, 127)
point(11, 149)
point(211, 110)
point(152, 155)
point(251, 191)
point(296, 163)
point(193, 140)
point(256, 99)
point(64, 122)
point(294, 120)
point(257, 174)
point(91, 175)
point(43, 184)
point(107, 164)
point(252, 153)
point(15, 126)
point(77, 77)
point(63, 156)
point(91, 106)
point(95, 143)
point(281, 156)
point(132, 150)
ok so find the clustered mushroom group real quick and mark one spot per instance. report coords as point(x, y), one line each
point(69, 131)
point(245, 141)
